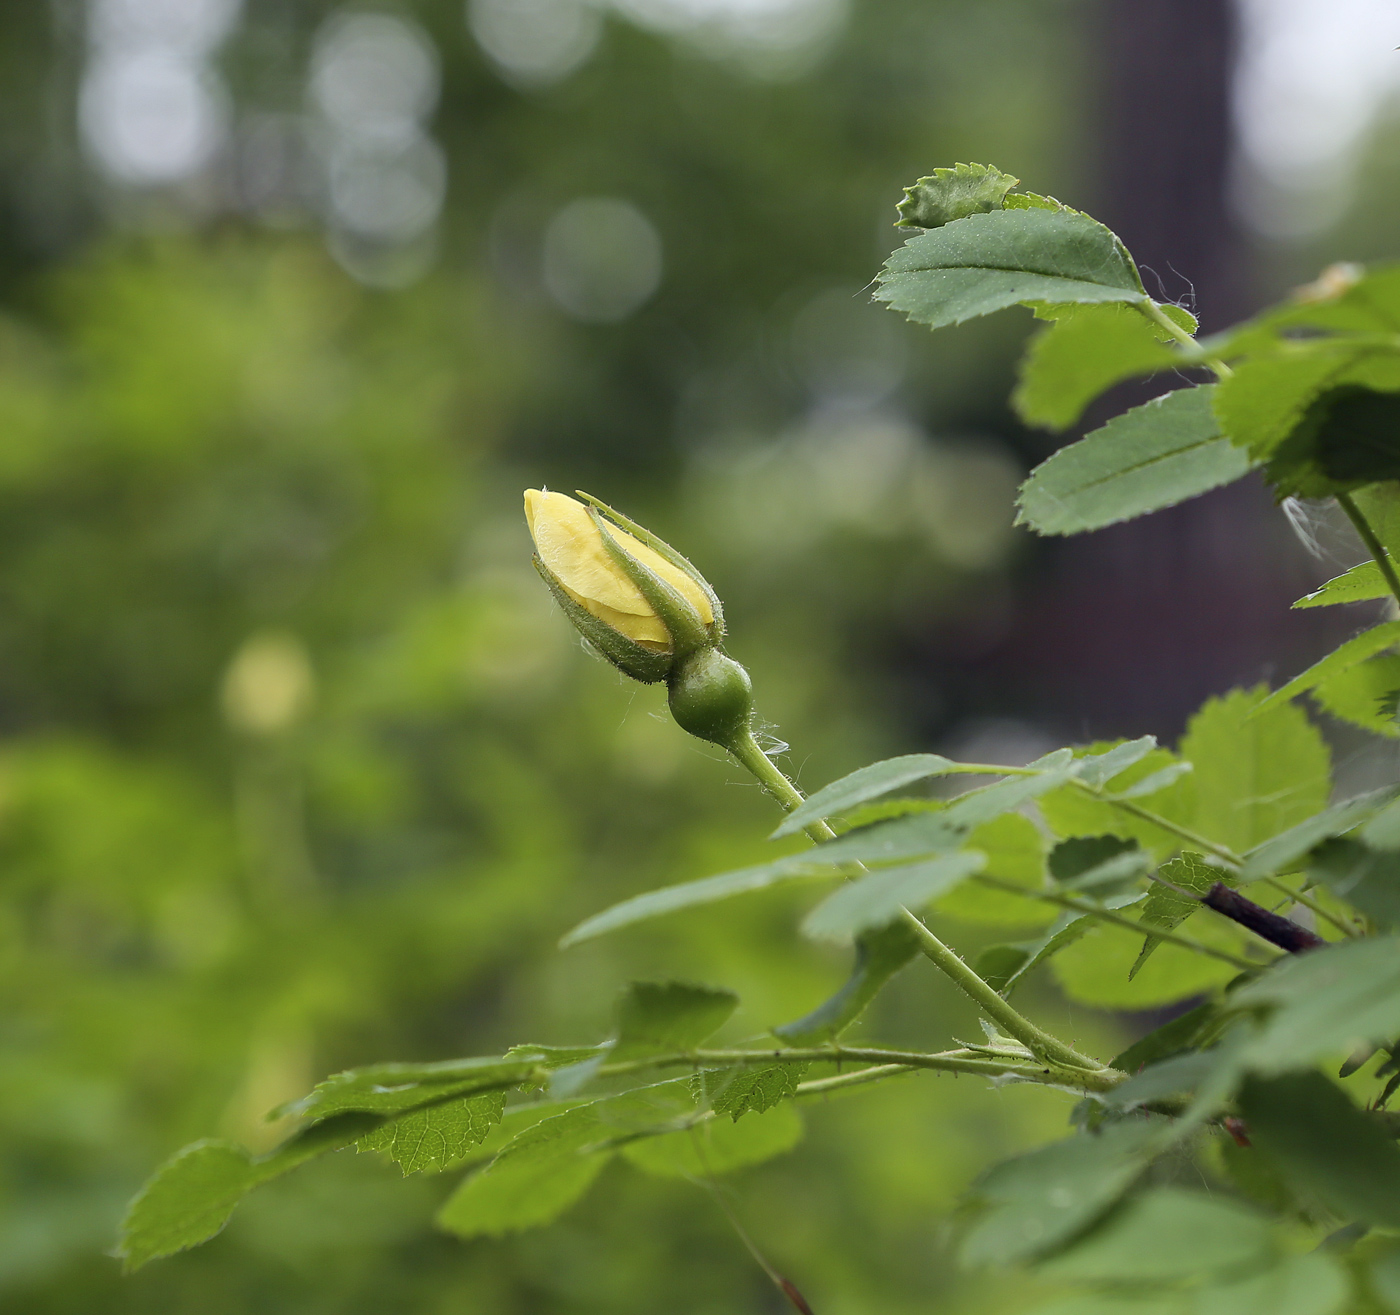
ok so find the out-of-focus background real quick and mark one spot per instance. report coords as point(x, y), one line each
point(300, 770)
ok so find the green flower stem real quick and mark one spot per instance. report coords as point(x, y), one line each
point(760, 765)
point(1012, 1022)
point(1163, 321)
point(1116, 919)
point(1307, 901)
point(1372, 542)
point(1096, 1079)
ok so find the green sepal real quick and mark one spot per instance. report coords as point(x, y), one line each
point(628, 657)
point(948, 194)
point(710, 696)
point(688, 632)
point(660, 546)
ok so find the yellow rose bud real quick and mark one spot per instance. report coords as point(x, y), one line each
point(571, 549)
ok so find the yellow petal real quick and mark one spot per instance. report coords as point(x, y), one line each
point(573, 551)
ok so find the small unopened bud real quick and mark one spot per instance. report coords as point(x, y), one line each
point(711, 696)
point(631, 595)
point(269, 685)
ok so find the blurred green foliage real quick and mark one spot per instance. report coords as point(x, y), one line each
point(300, 768)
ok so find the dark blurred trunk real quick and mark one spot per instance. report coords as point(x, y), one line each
point(1165, 105)
point(1127, 630)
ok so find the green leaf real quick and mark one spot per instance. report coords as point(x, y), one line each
point(1310, 1284)
point(1260, 768)
point(1035, 1203)
point(1361, 584)
point(717, 1146)
point(1090, 861)
point(520, 1194)
point(987, 262)
point(1365, 694)
point(1165, 908)
point(1383, 830)
point(737, 1091)
point(998, 965)
point(1283, 852)
point(1325, 1148)
point(860, 786)
point(1098, 769)
point(1084, 351)
point(879, 955)
point(192, 1195)
point(1367, 880)
point(431, 1139)
point(1071, 812)
point(654, 1017)
point(1151, 457)
point(1325, 1002)
point(917, 836)
point(1175, 1076)
point(396, 1088)
point(877, 900)
point(1067, 929)
point(536, 1176)
point(1170, 1039)
point(693, 894)
point(1166, 1236)
point(976, 807)
point(1365, 645)
point(1344, 440)
point(1264, 400)
point(1380, 504)
point(1015, 853)
point(948, 194)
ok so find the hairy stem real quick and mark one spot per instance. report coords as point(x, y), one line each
point(1163, 321)
point(1097, 1079)
point(1372, 542)
point(1010, 1020)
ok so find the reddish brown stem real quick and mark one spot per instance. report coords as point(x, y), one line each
point(1273, 927)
